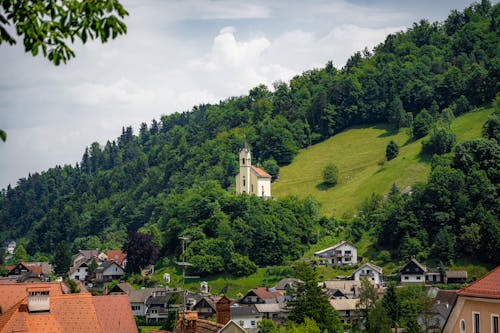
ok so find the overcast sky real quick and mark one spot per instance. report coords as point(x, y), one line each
point(178, 54)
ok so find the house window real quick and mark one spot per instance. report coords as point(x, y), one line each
point(78, 270)
point(347, 252)
point(347, 259)
point(462, 326)
point(252, 323)
point(418, 277)
point(494, 324)
point(475, 322)
point(406, 277)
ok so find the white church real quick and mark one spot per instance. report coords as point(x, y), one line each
point(251, 179)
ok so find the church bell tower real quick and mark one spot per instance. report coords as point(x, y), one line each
point(243, 180)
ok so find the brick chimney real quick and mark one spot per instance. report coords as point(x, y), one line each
point(223, 310)
point(187, 322)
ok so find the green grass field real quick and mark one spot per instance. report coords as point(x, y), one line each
point(359, 154)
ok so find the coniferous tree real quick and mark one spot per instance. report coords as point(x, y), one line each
point(392, 150)
point(310, 301)
point(62, 258)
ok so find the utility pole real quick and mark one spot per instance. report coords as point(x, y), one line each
point(184, 264)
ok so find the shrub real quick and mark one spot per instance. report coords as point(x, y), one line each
point(391, 151)
point(330, 174)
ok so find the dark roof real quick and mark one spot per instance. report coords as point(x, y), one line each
point(244, 310)
point(105, 265)
point(414, 262)
point(456, 274)
point(287, 282)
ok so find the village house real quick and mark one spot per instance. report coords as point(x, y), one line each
point(342, 253)
point(117, 256)
point(250, 179)
point(433, 320)
point(87, 256)
point(246, 315)
point(477, 308)
point(137, 298)
point(455, 276)
point(108, 271)
point(413, 272)
point(372, 272)
point(48, 307)
point(262, 295)
point(342, 288)
point(346, 308)
point(29, 272)
point(205, 307)
point(80, 272)
point(277, 312)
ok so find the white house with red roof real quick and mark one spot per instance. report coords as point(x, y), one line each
point(251, 179)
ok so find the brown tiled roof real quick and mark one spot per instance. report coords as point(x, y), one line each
point(488, 286)
point(261, 173)
point(116, 255)
point(264, 293)
point(114, 314)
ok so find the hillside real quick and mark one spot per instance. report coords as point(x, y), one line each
point(359, 153)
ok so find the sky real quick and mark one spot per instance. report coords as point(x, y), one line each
point(175, 55)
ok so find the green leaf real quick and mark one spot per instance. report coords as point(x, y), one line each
point(3, 135)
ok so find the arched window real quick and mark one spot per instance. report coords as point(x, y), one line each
point(244, 181)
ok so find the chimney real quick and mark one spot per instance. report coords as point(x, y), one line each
point(38, 299)
point(223, 310)
point(187, 321)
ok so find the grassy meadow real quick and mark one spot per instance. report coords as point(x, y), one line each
point(359, 153)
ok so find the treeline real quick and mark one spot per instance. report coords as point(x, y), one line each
point(456, 214)
point(125, 184)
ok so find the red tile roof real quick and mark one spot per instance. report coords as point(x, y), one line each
point(264, 293)
point(116, 255)
point(114, 313)
point(487, 287)
point(261, 173)
point(12, 293)
point(68, 312)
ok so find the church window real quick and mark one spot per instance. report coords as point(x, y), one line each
point(252, 188)
point(244, 181)
point(243, 161)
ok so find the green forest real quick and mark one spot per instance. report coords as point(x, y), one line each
point(175, 176)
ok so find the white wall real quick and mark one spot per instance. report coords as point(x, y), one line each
point(413, 278)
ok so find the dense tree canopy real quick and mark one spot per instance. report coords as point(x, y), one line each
point(160, 178)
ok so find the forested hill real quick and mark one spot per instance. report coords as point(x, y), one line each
point(138, 180)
